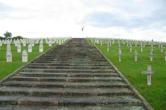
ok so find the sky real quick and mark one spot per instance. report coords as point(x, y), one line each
point(126, 19)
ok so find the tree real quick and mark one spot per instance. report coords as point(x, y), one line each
point(8, 35)
point(18, 37)
point(1, 38)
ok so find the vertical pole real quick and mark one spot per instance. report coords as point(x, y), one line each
point(119, 58)
point(130, 49)
point(107, 49)
point(141, 49)
point(149, 79)
point(135, 58)
point(151, 58)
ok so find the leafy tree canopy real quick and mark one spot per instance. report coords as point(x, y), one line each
point(18, 37)
point(8, 35)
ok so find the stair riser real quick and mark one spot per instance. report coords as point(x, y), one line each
point(63, 86)
point(61, 94)
point(62, 80)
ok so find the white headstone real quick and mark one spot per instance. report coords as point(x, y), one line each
point(136, 43)
point(141, 47)
point(33, 44)
point(136, 56)
point(144, 45)
point(120, 54)
point(119, 46)
point(8, 56)
point(18, 48)
point(49, 43)
point(24, 56)
point(8, 47)
point(165, 55)
point(24, 43)
point(161, 48)
point(101, 43)
point(130, 48)
point(108, 47)
point(151, 55)
point(113, 41)
point(152, 47)
point(127, 44)
point(30, 48)
point(110, 43)
point(41, 47)
point(0, 43)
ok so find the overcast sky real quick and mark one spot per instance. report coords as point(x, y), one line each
point(132, 19)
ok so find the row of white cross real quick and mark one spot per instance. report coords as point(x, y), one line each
point(30, 44)
point(136, 56)
point(149, 71)
point(129, 44)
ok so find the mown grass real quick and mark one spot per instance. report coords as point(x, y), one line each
point(8, 67)
point(154, 94)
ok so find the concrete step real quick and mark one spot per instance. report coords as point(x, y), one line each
point(50, 101)
point(67, 60)
point(69, 70)
point(70, 74)
point(64, 84)
point(66, 79)
point(44, 92)
point(96, 107)
point(74, 63)
point(67, 67)
point(60, 64)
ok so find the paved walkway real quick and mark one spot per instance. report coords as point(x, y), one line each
point(74, 76)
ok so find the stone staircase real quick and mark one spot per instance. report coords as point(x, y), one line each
point(74, 76)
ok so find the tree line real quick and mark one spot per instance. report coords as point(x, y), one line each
point(8, 35)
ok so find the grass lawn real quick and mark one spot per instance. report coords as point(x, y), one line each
point(8, 67)
point(154, 94)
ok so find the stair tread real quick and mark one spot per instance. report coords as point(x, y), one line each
point(88, 100)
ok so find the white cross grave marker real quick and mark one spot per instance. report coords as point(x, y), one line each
point(8, 56)
point(101, 43)
point(30, 48)
point(136, 56)
point(120, 54)
point(149, 72)
point(18, 48)
point(0, 43)
point(151, 55)
point(49, 43)
point(8, 47)
point(141, 46)
point(24, 43)
point(108, 47)
point(161, 48)
point(165, 55)
point(24, 56)
point(130, 48)
point(41, 47)
point(151, 47)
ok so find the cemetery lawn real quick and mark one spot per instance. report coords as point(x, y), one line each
point(154, 94)
point(8, 67)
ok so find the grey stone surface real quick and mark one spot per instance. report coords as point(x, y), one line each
point(74, 76)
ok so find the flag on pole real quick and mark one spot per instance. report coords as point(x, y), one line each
point(82, 28)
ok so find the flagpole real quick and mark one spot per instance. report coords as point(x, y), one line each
point(83, 31)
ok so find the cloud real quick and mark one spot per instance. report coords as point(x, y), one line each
point(4, 10)
point(130, 14)
point(104, 19)
point(34, 18)
point(4, 7)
